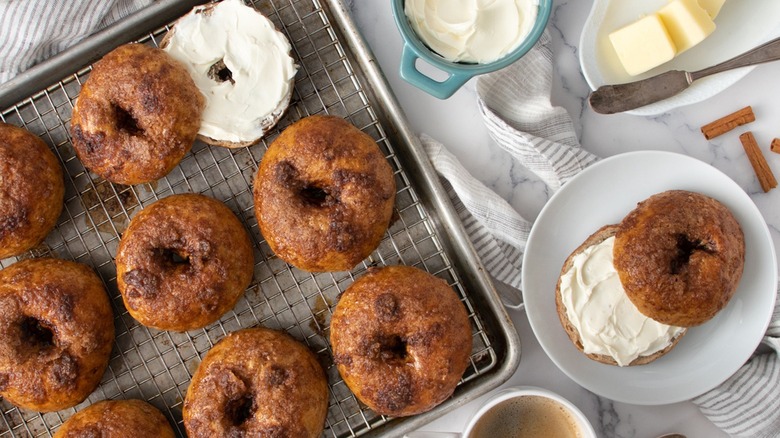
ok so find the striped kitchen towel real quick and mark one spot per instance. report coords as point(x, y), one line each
point(748, 403)
point(33, 30)
point(515, 105)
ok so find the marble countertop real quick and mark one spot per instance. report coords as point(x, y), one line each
point(456, 122)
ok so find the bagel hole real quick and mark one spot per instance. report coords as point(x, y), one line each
point(220, 72)
point(126, 122)
point(36, 332)
point(685, 249)
point(174, 257)
point(239, 410)
point(314, 195)
point(393, 348)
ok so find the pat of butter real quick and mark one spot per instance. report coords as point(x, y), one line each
point(712, 6)
point(643, 44)
point(687, 22)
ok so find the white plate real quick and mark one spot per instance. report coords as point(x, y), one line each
point(741, 25)
point(603, 194)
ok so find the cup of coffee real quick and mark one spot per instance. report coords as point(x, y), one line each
point(523, 412)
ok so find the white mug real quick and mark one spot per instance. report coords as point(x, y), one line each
point(580, 421)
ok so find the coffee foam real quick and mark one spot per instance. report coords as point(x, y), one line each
point(526, 416)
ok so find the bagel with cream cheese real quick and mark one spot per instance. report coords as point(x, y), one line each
point(627, 294)
point(241, 64)
point(587, 316)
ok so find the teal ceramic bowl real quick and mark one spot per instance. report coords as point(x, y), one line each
point(458, 72)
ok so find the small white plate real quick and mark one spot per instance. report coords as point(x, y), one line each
point(603, 194)
point(741, 25)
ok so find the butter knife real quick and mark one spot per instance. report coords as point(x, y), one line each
point(611, 99)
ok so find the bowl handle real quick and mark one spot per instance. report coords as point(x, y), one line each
point(442, 90)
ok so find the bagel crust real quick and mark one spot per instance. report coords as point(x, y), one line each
point(117, 419)
point(56, 333)
point(324, 195)
point(31, 190)
point(136, 116)
point(257, 383)
point(680, 257)
point(401, 339)
point(183, 262)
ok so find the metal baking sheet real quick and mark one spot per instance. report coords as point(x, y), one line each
point(337, 75)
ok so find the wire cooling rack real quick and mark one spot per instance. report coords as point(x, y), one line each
point(157, 365)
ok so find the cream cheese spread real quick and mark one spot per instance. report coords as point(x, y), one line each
point(607, 321)
point(476, 31)
point(240, 63)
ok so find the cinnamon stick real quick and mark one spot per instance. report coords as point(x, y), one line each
point(775, 146)
point(757, 160)
point(727, 123)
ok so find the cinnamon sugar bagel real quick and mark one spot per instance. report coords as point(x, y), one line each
point(31, 190)
point(597, 315)
point(680, 257)
point(136, 116)
point(183, 262)
point(117, 419)
point(257, 383)
point(401, 339)
point(56, 333)
point(324, 195)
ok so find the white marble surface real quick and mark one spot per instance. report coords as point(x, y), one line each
point(457, 123)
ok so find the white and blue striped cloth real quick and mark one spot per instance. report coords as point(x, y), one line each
point(33, 30)
point(522, 121)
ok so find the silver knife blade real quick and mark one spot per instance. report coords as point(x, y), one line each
point(611, 99)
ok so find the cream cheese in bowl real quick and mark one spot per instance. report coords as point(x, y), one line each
point(465, 38)
point(472, 31)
